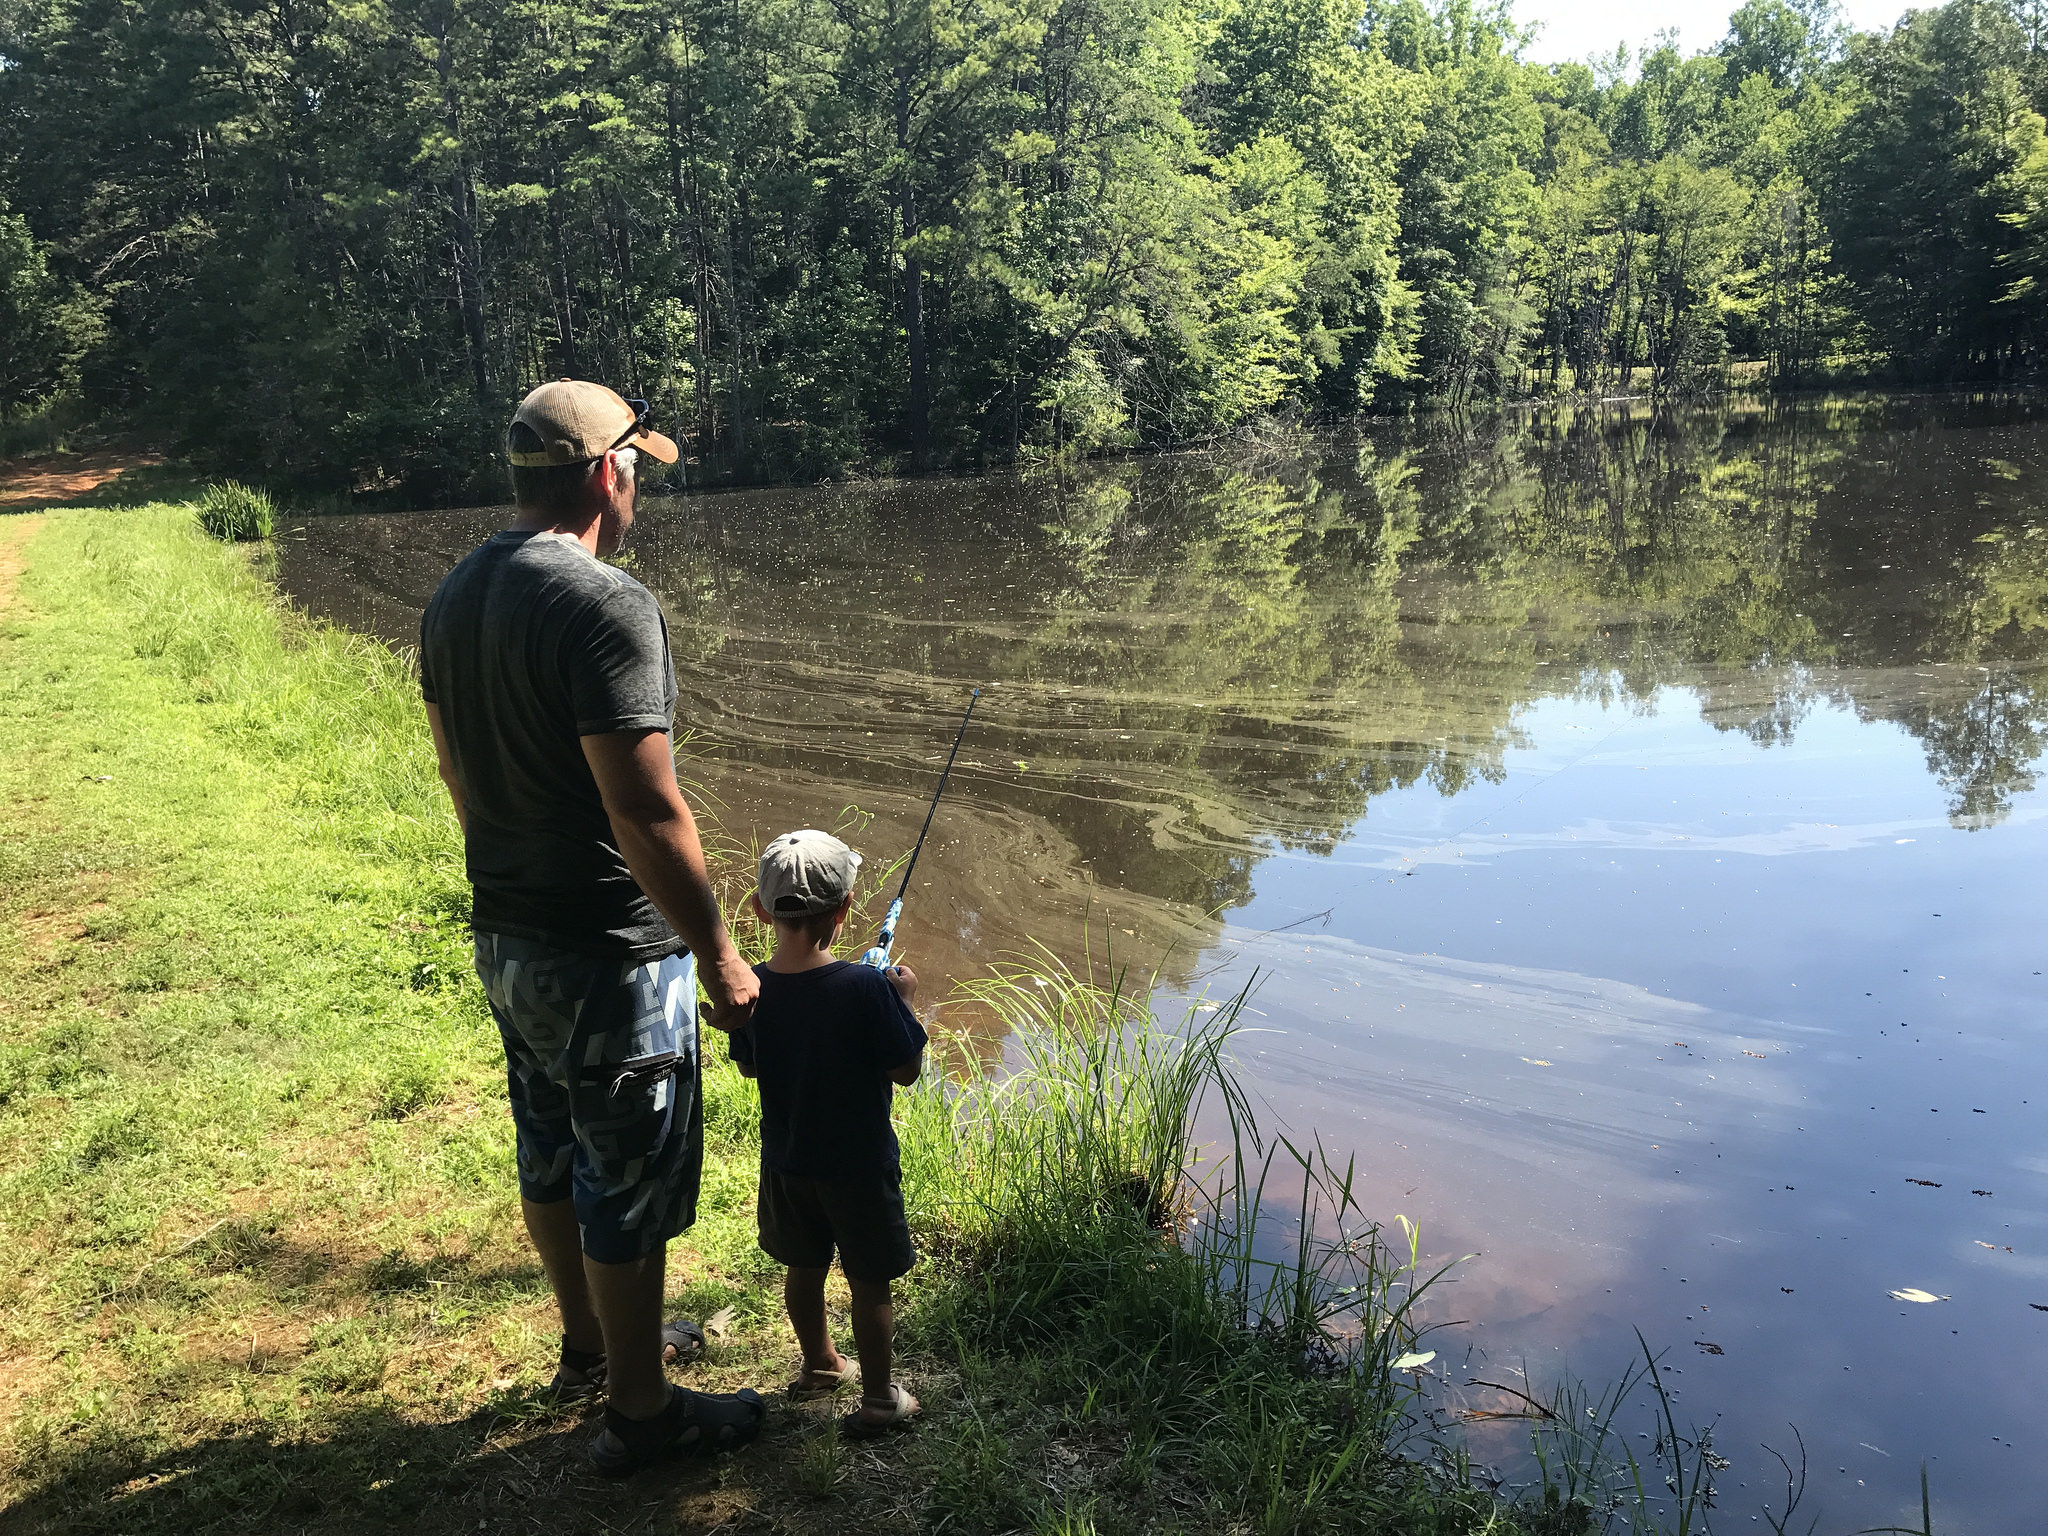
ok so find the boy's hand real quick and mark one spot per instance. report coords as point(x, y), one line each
point(904, 980)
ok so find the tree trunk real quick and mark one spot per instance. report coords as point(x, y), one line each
point(560, 285)
point(913, 279)
point(468, 250)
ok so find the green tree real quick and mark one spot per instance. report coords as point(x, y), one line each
point(1922, 178)
point(47, 326)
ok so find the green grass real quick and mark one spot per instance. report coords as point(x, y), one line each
point(263, 1268)
point(236, 512)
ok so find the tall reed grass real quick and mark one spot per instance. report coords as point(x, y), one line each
point(236, 512)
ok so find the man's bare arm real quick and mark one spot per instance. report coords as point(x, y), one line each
point(636, 775)
point(447, 764)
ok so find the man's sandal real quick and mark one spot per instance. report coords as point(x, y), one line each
point(899, 1410)
point(581, 1373)
point(692, 1421)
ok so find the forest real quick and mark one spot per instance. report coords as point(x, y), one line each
point(326, 243)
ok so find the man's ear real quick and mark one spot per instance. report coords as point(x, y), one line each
point(845, 910)
point(760, 911)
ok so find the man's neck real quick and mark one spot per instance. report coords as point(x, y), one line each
point(540, 522)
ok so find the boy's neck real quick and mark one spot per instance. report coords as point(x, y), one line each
point(795, 952)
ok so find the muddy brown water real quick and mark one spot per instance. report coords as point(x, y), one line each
point(1633, 816)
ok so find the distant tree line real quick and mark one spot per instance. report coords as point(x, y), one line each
point(325, 242)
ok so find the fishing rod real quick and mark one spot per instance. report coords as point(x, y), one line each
point(878, 957)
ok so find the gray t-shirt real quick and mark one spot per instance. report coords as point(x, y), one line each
point(527, 646)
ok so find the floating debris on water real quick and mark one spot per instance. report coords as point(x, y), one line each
point(1914, 1293)
point(1924, 1183)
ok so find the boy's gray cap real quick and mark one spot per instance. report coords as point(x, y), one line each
point(805, 872)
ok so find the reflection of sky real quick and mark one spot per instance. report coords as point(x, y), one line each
point(1492, 1013)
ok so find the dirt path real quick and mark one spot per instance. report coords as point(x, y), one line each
point(14, 537)
point(51, 479)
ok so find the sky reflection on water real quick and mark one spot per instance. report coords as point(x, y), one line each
point(1592, 734)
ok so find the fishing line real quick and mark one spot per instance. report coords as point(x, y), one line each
point(878, 957)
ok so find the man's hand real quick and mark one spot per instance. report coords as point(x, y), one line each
point(733, 987)
point(636, 776)
point(904, 980)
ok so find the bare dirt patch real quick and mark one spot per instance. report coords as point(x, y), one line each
point(22, 1378)
point(43, 931)
point(53, 479)
point(12, 541)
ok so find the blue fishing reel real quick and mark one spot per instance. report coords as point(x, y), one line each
point(878, 957)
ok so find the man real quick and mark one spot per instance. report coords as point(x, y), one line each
point(551, 695)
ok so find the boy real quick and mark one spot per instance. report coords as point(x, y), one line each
point(827, 1040)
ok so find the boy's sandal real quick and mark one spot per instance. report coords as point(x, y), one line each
point(579, 1374)
point(901, 1409)
point(813, 1385)
point(692, 1421)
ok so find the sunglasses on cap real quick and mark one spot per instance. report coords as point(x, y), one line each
point(643, 413)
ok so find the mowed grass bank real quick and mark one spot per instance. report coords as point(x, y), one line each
point(262, 1263)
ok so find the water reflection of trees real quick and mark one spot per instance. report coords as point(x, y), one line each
point(1201, 651)
point(1373, 613)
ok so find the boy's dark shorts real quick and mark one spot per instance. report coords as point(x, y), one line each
point(803, 1220)
point(629, 1153)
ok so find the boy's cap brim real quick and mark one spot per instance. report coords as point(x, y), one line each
point(578, 421)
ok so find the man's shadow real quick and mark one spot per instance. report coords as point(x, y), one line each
point(519, 1466)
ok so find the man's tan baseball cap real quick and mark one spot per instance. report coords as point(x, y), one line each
point(578, 421)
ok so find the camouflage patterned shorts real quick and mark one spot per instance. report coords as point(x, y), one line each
point(601, 1117)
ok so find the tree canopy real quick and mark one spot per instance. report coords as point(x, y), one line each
point(327, 242)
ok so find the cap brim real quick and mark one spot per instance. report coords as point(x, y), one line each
point(655, 446)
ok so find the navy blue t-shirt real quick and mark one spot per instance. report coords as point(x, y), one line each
point(822, 1044)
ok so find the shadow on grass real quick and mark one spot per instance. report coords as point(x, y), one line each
point(517, 1466)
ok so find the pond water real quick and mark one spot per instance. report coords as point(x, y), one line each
point(1632, 817)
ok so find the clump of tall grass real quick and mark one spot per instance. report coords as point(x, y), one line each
point(1086, 1128)
point(1081, 1139)
point(234, 512)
